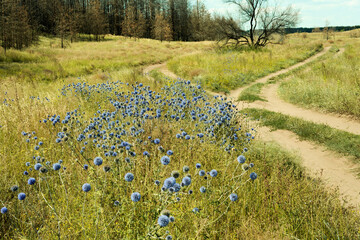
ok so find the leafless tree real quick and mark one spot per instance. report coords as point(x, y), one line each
point(263, 21)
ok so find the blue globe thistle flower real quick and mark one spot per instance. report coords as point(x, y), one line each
point(157, 182)
point(86, 167)
point(163, 220)
point(60, 161)
point(4, 210)
point(41, 143)
point(202, 189)
point(56, 166)
point(170, 152)
point(165, 160)
point(98, 161)
point(198, 165)
point(157, 141)
point(26, 173)
point(177, 187)
point(187, 137)
point(178, 135)
point(27, 164)
point(253, 176)
point(186, 181)
point(213, 173)
point(14, 188)
point(146, 153)
point(202, 173)
point(129, 177)
point(37, 166)
point(86, 187)
point(245, 149)
point(31, 181)
point(36, 147)
point(169, 237)
point(196, 210)
point(241, 159)
point(172, 219)
point(190, 192)
point(135, 197)
point(186, 169)
point(171, 189)
point(169, 182)
point(233, 197)
point(21, 196)
point(251, 165)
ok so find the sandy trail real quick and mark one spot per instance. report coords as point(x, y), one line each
point(334, 169)
point(276, 104)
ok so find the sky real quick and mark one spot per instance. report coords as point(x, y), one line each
point(313, 13)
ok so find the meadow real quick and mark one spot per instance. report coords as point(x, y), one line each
point(229, 68)
point(113, 154)
point(332, 85)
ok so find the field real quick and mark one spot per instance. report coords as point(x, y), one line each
point(91, 147)
point(226, 69)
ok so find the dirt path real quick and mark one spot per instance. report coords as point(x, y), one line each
point(235, 93)
point(334, 169)
point(276, 104)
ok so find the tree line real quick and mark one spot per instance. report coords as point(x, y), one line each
point(21, 21)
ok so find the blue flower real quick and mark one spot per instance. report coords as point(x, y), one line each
point(27, 164)
point(186, 169)
point(241, 159)
point(26, 173)
point(98, 161)
point(157, 182)
point(157, 141)
point(233, 197)
point(172, 219)
point(187, 137)
point(195, 210)
point(251, 165)
point(21, 196)
point(170, 152)
point(202, 189)
point(37, 166)
point(253, 176)
point(129, 177)
point(168, 237)
point(169, 182)
point(146, 153)
point(31, 181)
point(186, 181)
point(213, 173)
point(56, 166)
point(198, 165)
point(14, 188)
point(135, 197)
point(86, 187)
point(202, 173)
point(163, 220)
point(86, 167)
point(4, 210)
point(165, 160)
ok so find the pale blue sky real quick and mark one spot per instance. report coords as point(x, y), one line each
point(313, 13)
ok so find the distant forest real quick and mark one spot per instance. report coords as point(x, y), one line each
point(21, 21)
point(309, 30)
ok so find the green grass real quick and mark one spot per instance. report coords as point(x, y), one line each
point(332, 85)
point(222, 71)
point(252, 93)
point(336, 140)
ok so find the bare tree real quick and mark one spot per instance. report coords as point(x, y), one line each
point(263, 21)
